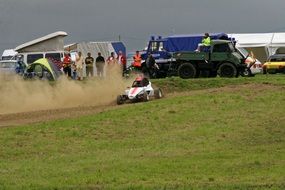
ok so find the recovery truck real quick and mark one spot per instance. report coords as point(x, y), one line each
point(220, 58)
point(175, 55)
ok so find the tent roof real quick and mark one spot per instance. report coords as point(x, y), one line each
point(259, 39)
point(41, 40)
point(49, 65)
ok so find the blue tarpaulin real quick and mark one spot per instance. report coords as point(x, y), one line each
point(178, 43)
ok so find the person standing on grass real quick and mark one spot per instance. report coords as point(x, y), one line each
point(79, 66)
point(111, 59)
point(111, 64)
point(137, 60)
point(100, 63)
point(67, 64)
point(89, 61)
point(122, 61)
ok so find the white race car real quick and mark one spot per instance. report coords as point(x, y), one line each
point(141, 90)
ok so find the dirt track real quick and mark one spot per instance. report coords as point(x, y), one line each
point(23, 118)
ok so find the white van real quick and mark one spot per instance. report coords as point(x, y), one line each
point(31, 57)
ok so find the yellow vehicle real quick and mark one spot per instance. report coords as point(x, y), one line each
point(275, 64)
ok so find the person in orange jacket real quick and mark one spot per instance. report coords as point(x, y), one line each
point(137, 60)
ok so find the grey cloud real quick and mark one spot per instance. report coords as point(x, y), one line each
point(134, 20)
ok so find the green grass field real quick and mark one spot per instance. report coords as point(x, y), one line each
point(232, 138)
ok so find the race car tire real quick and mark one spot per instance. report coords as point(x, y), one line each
point(145, 97)
point(157, 93)
point(246, 73)
point(120, 100)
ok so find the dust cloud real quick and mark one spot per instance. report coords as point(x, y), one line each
point(19, 95)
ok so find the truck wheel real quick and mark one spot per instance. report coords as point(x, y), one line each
point(120, 99)
point(157, 93)
point(187, 70)
point(227, 70)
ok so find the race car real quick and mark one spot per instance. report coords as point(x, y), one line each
point(141, 91)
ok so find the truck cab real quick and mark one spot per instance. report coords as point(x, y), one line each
point(163, 58)
point(157, 48)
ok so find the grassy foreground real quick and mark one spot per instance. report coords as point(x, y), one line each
point(211, 140)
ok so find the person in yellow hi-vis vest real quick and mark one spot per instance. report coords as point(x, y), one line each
point(206, 42)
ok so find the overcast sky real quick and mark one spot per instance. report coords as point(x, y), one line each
point(134, 20)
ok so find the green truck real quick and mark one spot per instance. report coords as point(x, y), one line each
point(221, 58)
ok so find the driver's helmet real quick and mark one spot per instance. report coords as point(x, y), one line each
point(138, 79)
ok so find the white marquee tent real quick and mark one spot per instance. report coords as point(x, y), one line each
point(261, 44)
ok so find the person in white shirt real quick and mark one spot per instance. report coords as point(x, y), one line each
point(79, 65)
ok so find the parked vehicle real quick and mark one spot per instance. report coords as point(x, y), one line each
point(49, 46)
point(162, 49)
point(12, 66)
point(254, 66)
point(141, 91)
point(30, 57)
point(275, 64)
point(220, 58)
point(8, 66)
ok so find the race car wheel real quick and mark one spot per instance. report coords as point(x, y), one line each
point(120, 100)
point(145, 97)
point(157, 93)
point(246, 73)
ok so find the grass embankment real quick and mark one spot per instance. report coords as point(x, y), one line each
point(219, 140)
point(176, 84)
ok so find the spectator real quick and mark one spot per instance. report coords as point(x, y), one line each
point(79, 66)
point(74, 73)
point(122, 61)
point(112, 64)
point(89, 61)
point(151, 67)
point(137, 60)
point(67, 64)
point(20, 68)
point(100, 63)
point(111, 59)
